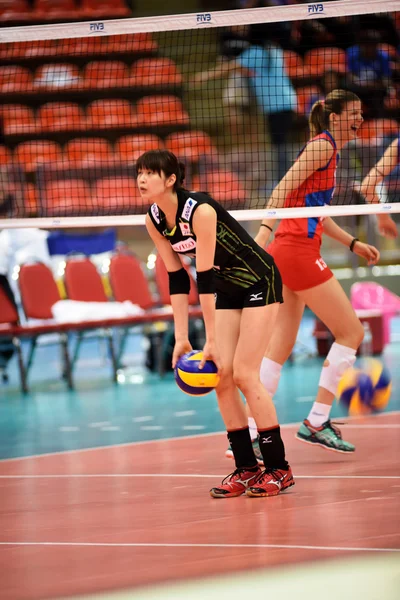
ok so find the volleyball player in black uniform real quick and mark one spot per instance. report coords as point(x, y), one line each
point(238, 322)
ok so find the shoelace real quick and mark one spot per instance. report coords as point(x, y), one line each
point(236, 472)
point(335, 429)
point(276, 474)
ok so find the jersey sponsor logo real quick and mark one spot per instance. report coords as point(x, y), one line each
point(185, 228)
point(184, 245)
point(188, 208)
point(155, 212)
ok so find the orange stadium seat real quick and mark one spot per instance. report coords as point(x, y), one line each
point(34, 153)
point(15, 79)
point(61, 116)
point(110, 113)
point(55, 9)
point(305, 96)
point(57, 76)
point(378, 128)
point(14, 10)
point(31, 199)
point(294, 64)
point(190, 144)
point(131, 42)
point(161, 110)
point(68, 196)
point(225, 187)
point(155, 71)
point(319, 60)
point(130, 147)
point(84, 46)
point(106, 74)
point(105, 8)
point(117, 194)
point(81, 152)
point(18, 118)
point(5, 156)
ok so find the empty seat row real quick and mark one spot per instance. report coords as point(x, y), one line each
point(129, 43)
point(82, 152)
point(94, 75)
point(100, 114)
point(52, 10)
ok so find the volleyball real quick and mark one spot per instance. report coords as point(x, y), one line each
point(191, 379)
point(365, 390)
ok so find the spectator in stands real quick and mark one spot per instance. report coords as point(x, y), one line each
point(370, 72)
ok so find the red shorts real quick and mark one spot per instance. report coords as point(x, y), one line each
point(300, 264)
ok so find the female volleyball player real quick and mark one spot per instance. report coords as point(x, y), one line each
point(307, 280)
point(231, 266)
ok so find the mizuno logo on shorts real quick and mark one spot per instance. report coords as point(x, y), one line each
point(255, 297)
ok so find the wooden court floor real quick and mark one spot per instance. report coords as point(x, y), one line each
point(131, 515)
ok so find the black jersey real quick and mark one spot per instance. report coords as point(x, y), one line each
point(238, 258)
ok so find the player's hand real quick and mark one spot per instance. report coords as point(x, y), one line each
point(262, 237)
point(370, 253)
point(210, 352)
point(180, 348)
point(387, 227)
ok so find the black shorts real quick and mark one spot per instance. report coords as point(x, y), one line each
point(266, 291)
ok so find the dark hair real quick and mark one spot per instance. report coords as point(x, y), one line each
point(334, 102)
point(162, 160)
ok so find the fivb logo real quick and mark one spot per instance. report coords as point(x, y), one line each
point(93, 27)
point(315, 9)
point(203, 18)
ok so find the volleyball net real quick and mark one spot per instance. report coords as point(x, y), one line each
point(228, 92)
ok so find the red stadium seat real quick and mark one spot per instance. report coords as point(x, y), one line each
point(155, 71)
point(190, 144)
point(225, 187)
point(110, 113)
point(161, 110)
point(319, 60)
point(294, 64)
point(34, 153)
point(61, 116)
point(5, 156)
point(105, 8)
point(57, 76)
point(31, 199)
point(131, 42)
point(306, 96)
point(106, 74)
point(15, 79)
point(129, 282)
point(117, 194)
point(83, 281)
point(130, 147)
point(378, 128)
point(39, 290)
point(68, 196)
point(82, 152)
point(51, 10)
point(18, 118)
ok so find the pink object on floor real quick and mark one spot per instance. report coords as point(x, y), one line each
point(372, 296)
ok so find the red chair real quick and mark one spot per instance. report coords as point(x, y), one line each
point(161, 110)
point(39, 291)
point(61, 116)
point(294, 65)
point(117, 194)
point(52, 10)
point(130, 147)
point(106, 74)
point(162, 281)
point(5, 156)
point(31, 199)
point(110, 113)
point(68, 196)
point(225, 187)
point(131, 42)
point(81, 152)
point(155, 71)
point(105, 8)
point(129, 282)
point(83, 281)
point(37, 152)
point(15, 79)
point(319, 60)
point(190, 144)
point(18, 118)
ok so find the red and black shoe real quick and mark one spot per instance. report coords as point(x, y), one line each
point(236, 483)
point(270, 483)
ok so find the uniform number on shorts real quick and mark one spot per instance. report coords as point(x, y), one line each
point(321, 263)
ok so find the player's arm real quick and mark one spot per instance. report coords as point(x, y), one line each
point(179, 287)
point(205, 228)
point(316, 155)
point(387, 163)
point(332, 229)
point(222, 69)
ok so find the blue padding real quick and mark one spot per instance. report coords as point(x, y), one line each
point(63, 243)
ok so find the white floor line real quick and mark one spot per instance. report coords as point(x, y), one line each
point(180, 475)
point(170, 439)
point(164, 545)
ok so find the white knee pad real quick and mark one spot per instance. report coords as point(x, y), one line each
point(270, 374)
point(338, 360)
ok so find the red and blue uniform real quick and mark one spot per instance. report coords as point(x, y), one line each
point(296, 247)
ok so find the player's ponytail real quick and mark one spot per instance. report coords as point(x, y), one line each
point(334, 102)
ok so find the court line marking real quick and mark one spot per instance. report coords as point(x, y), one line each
point(166, 545)
point(178, 475)
point(173, 439)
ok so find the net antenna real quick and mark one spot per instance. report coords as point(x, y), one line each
point(228, 92)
